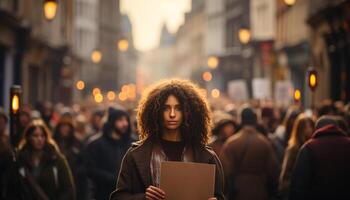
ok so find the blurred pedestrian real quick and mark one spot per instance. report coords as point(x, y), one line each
point(250, 165)
point(174, 123)
point(70, 146)
point(104, 153)
point(42, 166)
point(322, 166)
point(282, 134)
point(224, 127)
point(302, 130)
point(5, 154)
point(96, 123)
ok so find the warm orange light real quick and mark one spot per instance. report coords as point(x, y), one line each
point(313, 80)
point(122, 96)
point(207, 76)
point(289, 2)
point(215, 93)
point(244, 35)
point(15, 103)
point(96, 91)
point(80, 85)
point(125, 88)
point(96, 56)
point(131, 93)
point(213, 62)
point(50, 9)
point(111, 95)
point(98, 98)
point(123, 45)
point(297, 95)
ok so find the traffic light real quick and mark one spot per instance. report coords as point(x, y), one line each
point(15, 105)
point(312, 79)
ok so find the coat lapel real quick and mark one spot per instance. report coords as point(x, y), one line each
point(142, 157)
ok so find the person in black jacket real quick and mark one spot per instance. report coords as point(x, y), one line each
point(174, 124)
point(104, 153)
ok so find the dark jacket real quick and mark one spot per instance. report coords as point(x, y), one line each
point(103, 157)
point(256, 177)
point(322, 167)
point(135, 173)
point(54, 178)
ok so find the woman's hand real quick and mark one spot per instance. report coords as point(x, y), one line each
point(154, 193)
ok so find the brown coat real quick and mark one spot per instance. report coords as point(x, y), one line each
point(290, 157)
point(257, 176)
point(135, 174)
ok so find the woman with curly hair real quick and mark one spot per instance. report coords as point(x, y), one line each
point(42, 166)
point(174, 123)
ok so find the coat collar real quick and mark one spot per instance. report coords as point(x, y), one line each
point(328, 130)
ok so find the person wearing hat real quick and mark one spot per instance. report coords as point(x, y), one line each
point(249, 162)
point(104, 153)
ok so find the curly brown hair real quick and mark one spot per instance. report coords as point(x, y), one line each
point(196, 125)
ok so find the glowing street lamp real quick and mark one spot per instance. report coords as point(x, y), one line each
point(123, 45)
point(289, 2)
point(215, 93)
point(297, 95)
point(50, 9)
point(207, 76)
point(96, 56)
point(96, 91)
point(312, 79)
point(213, 62)
point(15, 104)
point(98, 98)
point(111, 95)
point(80, 85)
point(244, 35)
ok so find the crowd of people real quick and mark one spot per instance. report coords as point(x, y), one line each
point(262, 151)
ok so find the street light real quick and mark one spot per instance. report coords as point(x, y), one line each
point(312, 78)
point(297, 95)
point(289, 2)
point(213, 62)
point(15, 104)
point(50, 9)
point(80, 85)
point(244, 35)
point(111, 95)
point(215, 93)
point(96, 56)
point(98, 98)
point(123, 45)
point(207, 76)
point(96, 91)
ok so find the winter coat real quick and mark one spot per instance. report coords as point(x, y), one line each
point(257, 176)
point(135, 174)
point(322, 167)
point(103, 156)
point(54, 176)
point(287, 170)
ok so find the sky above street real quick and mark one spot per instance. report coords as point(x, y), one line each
point(148, 17)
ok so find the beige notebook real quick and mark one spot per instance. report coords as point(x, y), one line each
point(187, 181)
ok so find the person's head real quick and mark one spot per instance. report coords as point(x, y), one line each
point(64, 130)
point(37, 136)
point(97, 120)
point(224, 126)
point(336, 121)
point(289, 119)
point(24, 118)
point(302, 131)
point(248, 117)
point(175, 105)
point(118, 122)
point(3, 121)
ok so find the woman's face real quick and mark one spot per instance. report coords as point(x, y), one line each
point(172, 113)
point(64, 130)
point(38, 139)
point(308, 131)
point(227, 130)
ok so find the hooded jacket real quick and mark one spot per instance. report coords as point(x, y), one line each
point(103, 156)
point(322, 167)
